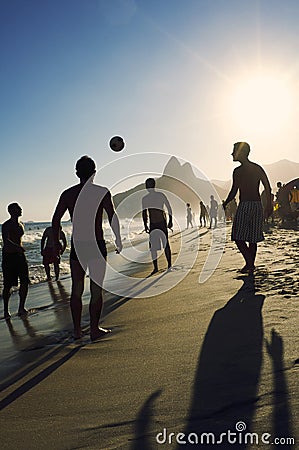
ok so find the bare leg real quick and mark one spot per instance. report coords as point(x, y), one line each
point(168, 254)
point(97, 271)
point(252, 253)
point(155, 261)
point(78, 275)
point(47, 270)
point(6, 296)
point(56, 270)
point(242, 246)
point(23, 291)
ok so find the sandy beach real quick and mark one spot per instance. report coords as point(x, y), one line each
point(195, 359)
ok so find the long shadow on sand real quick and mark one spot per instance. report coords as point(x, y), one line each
point(227, 377)
point(143, 423)
point(282, 423)
point(36, 379)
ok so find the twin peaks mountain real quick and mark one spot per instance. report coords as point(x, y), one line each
point(182, 186)
point(179, 183)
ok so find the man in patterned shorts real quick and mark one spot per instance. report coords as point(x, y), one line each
point(247, 228)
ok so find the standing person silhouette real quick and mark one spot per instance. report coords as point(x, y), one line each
point(203, 214)
point(48, 254)
point(153, 207)
point(93, 258)
point(189, 216)
point(14, 263)
point(213, 211)
point(247, 228)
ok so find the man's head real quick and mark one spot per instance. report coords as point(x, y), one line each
point(85, 168)
point(241, 151)
point(14, 210)
point(150, 183)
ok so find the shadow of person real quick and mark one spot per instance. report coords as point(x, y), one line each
point(60, 294)
point(143, 423)
point(226, 381)
point(282, 424)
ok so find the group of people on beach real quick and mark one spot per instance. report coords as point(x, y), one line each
point(86, 203)
point(206, 213)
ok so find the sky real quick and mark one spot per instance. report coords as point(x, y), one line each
point(179, 77)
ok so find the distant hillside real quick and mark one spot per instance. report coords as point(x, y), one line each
point(181, 186)
point(283, 171)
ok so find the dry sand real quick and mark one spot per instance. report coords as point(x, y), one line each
point(198, 358)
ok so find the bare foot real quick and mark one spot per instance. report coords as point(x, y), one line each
point(22, 312)
point(6, 315)
point(154, 271)
point(77, 334)
point(99, 333)
point(247, 269)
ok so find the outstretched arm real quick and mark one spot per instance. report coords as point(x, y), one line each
point(56, 221)
point(233, 191)
point(169, 210)
point(266, 184)
point(113, 220)
point(144, 216)
point(64, 242)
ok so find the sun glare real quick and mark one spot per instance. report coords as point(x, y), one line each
point(261, 104)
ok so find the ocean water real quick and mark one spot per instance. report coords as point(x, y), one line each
point(131, 230)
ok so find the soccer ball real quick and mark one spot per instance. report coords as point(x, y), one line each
point(116, 143)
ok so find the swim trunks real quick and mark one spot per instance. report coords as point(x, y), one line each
point(158, 235)
point(248, 222)
point(14, 267)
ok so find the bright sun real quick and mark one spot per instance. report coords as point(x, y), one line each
point(261, 104)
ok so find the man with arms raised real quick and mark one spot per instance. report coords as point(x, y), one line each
point(86, 207)
point(247, 228)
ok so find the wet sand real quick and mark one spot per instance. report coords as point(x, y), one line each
point(198, 358)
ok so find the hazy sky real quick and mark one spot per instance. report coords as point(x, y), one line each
point(184, 77)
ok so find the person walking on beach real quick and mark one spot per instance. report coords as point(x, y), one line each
point(203, 214)
point(14, 263)
point(92, 254)
point(213, 211)
point(247, 228)
point(48, 254)
point(189, 216)
point(153, 209)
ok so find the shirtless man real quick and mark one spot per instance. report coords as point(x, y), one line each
point(99, 198)
point(48, 254)
point(14, 263)
point(247, 228)
point(153, 206)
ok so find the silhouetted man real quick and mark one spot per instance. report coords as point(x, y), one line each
point(189, 216)
point(213, 211)
point(91, 257)
point(48, 253)
point(203, 214)
point(153, 208)
point(247, 228)
point(14, 263)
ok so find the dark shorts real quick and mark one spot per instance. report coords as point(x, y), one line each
point(49, 256)
point(158, 236)
point(89, 247)
point(248, 222)
point(14, 267)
